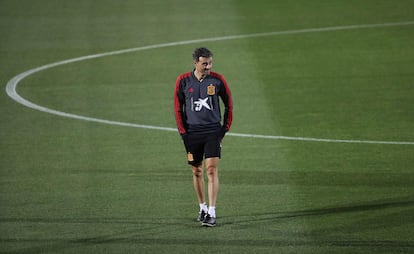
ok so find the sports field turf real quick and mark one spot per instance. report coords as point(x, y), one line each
point(325, 90)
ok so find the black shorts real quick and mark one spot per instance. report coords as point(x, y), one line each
point(202, 146)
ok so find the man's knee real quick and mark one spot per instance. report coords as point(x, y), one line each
point(211, 169)
point(197, 170)
point(212, 166)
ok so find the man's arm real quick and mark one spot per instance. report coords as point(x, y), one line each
point(225, 95)
point(179, 103)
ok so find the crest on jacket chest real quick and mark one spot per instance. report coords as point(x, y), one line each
point(211, 90)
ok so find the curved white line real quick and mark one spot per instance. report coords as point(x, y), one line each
point(12, 84)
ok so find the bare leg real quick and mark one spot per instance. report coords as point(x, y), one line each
point(213, 179)
point(198, 182)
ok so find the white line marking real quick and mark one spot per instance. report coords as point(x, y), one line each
point(12, 84)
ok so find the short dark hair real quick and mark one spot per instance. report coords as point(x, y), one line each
point(201, 52)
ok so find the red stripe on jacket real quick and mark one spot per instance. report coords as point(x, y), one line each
point(178, 110)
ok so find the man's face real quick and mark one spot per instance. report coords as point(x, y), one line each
point(204, 65)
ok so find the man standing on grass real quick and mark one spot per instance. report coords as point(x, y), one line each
point(199, 122)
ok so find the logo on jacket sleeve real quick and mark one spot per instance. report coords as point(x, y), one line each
point(211, 90)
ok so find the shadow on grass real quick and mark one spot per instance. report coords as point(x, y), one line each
point(321, 212)
point(143, 229)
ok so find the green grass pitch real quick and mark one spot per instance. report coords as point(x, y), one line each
point(74, 186)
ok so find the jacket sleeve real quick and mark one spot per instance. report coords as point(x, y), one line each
point(225, 95)
point(179, 106)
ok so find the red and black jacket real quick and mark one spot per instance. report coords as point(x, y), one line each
point(197, 105)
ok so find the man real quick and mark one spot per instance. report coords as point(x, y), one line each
point(199, 122)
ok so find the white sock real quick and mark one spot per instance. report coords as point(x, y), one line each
point(212, 211)
point(203, 207)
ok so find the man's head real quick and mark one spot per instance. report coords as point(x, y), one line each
point(201, 52)
point(203, 61)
